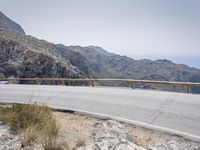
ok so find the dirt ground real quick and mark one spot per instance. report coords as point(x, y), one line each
point(79, 127)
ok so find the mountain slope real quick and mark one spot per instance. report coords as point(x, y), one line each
point(8, 24)
point(26, 56)
point(102, 64)
point(101, 61)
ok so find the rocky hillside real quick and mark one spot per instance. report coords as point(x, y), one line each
point(8, 24)
point(103, 64)
point(26, 56)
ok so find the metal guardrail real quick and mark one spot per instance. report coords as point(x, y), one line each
point(92, 81)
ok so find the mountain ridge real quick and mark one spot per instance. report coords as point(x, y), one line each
point(26, 56)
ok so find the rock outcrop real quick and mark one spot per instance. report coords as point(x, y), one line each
point(110, 135)
point(8, 24)
point(26, 56)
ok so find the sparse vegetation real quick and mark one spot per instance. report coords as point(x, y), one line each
point(51, 133)
point(32, 122)
point(21, 116)
point(67, 131)
point(29, 136)
point(80, 142)
point(143, 141)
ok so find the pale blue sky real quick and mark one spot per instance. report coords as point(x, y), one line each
point(137, 28)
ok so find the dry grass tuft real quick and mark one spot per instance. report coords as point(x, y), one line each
point(3, 113)
point(22, 116)
point(52, 129)
point(143, 141)
point(52, 144)
point(80, 142)
point(28, 136)
point(51, 132)
point(33, 122)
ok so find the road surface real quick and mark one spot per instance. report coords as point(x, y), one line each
point(175, 111)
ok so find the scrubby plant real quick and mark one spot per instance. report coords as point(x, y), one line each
point(22, 116)
point(3, 113)
point(33, 121)
point(80, 142)
point(50, 135)
point(29, 136)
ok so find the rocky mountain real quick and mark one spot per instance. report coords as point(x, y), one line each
point(103, 64)
point(8, 24)
point(74, 58)
point(26, 56)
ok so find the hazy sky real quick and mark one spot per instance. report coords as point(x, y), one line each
point(137, 28)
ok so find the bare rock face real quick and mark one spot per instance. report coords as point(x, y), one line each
point(110, 135)
point(25, 56)
point(103, 64)
point(8, 24)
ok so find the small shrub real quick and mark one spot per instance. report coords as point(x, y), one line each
point(33, 121)
point(3, 113)
point(52, 144)
point(51, 132)
point(29, 136)
point(52, 128)
point(80, 142)
point(26, 115)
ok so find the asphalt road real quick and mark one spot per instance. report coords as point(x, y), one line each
point(175, 111)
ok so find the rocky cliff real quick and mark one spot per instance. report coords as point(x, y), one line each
point(26, 56)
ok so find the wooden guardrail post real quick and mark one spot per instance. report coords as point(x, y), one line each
point(36, 82)
point(187, 88)
point(63, 83)
point(92, 82)
point(132, 85)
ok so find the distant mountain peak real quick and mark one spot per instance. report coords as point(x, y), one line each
point(164, 61)
point(9, 25)
point(99, 50)
point(96, 47)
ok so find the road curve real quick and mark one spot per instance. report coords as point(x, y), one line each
point(176, 111)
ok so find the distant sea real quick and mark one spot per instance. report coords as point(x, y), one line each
point(190, 60)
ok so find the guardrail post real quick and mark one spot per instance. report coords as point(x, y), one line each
point(36, 82)
point(92, 83)
point(63, 82)
point(12, 81)
point(187, 88)
point(132, 86)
